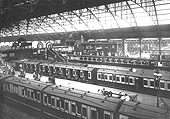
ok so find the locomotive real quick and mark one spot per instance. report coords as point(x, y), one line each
point(65, 103)
point(132, 79)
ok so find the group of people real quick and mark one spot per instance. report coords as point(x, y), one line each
point(36, 76)
point(51, 79)
point(121, 96)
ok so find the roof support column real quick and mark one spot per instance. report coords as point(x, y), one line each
point(159, 32)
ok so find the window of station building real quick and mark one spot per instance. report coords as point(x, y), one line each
point(73, 108)
point(107, 115)
point(84, 111)
point(57, 103)
point(152, 83)
point(93, 113)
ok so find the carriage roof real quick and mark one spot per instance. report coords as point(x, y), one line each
point(68, 66)
point(143, 111)
point(32, 84)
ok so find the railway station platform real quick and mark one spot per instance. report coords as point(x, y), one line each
point(142, 98)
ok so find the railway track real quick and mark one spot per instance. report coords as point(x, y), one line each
point(6, 115)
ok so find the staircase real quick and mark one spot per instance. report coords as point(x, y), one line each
point(6, 66)
point(56, 56)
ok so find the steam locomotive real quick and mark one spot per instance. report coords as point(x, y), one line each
point(132, 79)
point(52, 101)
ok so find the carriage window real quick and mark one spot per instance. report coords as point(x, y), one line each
point(107, 115)
point(105, 76)
point(45, 99)
point(35, 96)
point(168, 85)
point(145, 82)
point(32, 95)
point(28, 93)
point(58, 103)
point(89, 75)
point(16, 90)
point(122, 79)
point(152, 83)
point(67, 71)
point(118, 78)
point(78, 109)
point(66, 105)
point(93, 114)
point(110, 77)
point(74, 72)
point(84, 111)
point(81, 73)
point(49, 99)
point(123, 116)
point(131, 80)
point(52, 101)
point(114, 78)
point(73, 107)
point(38, 96)
point(162, 85)
point(62, 104)
point(23, 92)
point(99, 76)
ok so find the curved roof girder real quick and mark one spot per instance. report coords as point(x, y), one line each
point(82, 21)
point(157, 24)
point(68, 22)
point(43, 29)
point(121, 32)
point(52, 18)
point(159, 31)
point(97, 21)
point(139, 32)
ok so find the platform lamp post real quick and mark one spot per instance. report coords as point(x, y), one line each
point(157, 76)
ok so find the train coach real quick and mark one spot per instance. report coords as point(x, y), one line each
point(139, 80)
point(64, 103)
point(133, 79)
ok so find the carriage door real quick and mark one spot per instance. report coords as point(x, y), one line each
point(82, 77)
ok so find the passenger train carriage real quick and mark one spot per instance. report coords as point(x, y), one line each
point(65, 103)
point(133, 79)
